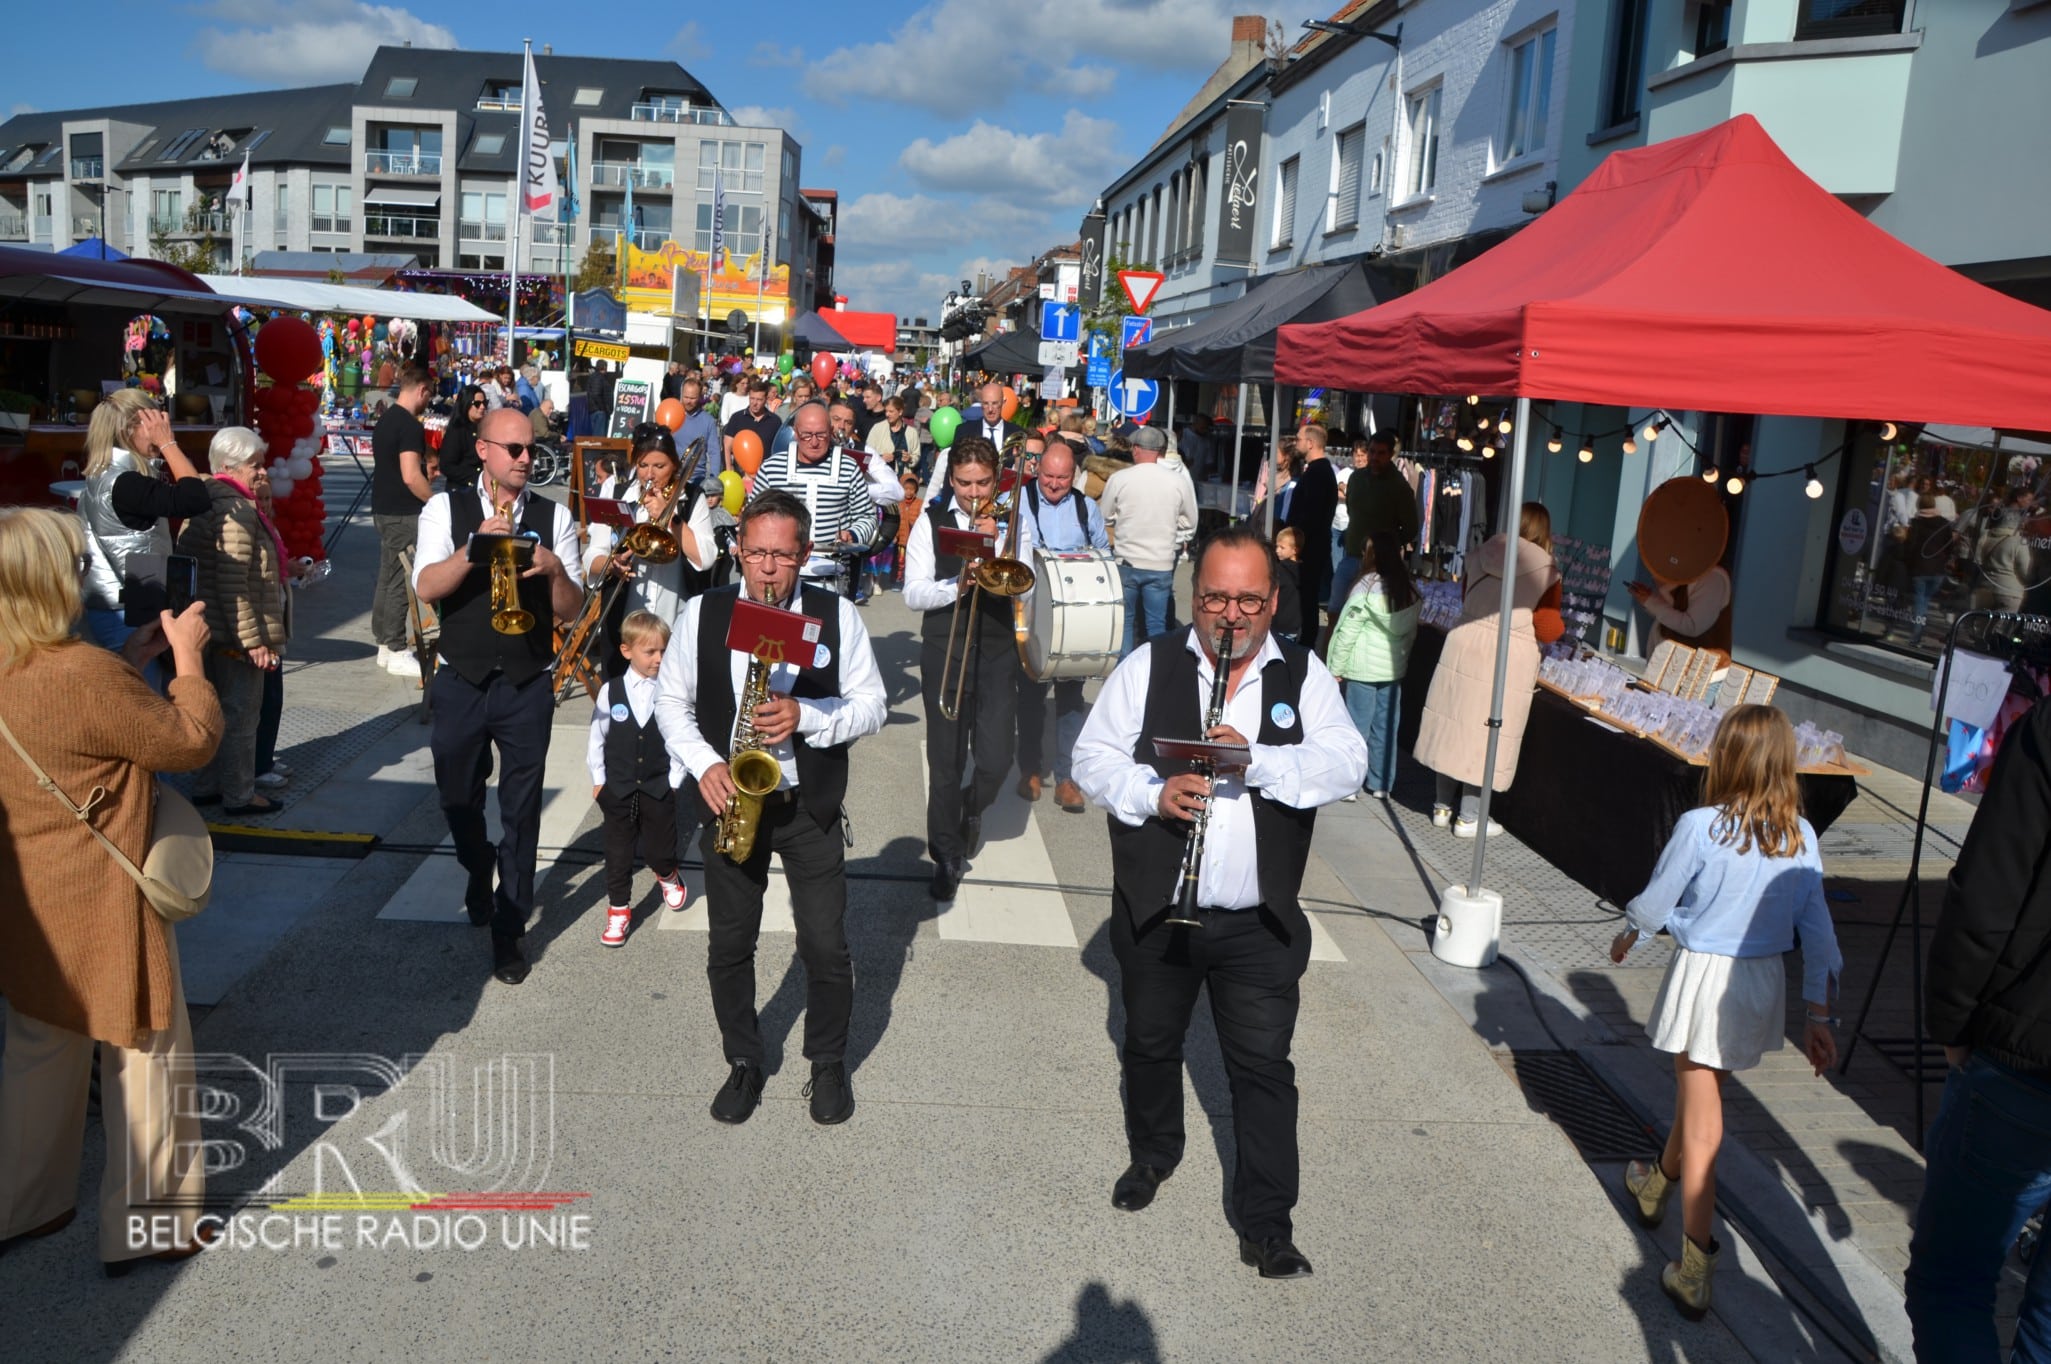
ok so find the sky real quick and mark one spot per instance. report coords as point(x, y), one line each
point(961, 135)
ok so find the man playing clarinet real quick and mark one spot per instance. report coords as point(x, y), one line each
point(1249, 941)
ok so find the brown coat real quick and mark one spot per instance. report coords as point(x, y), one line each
point(1452, 733)
point(241, 578)
point(79, 946)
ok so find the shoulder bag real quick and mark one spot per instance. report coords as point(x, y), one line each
point(177, 876)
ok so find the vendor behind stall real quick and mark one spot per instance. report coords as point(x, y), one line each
point(127, 503)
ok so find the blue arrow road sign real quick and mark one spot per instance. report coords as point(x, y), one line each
point(1060, 321)
point(1138, 331)
point(1134, 398)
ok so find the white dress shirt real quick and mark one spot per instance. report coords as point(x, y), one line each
point(883, 482)
point(1331, 762)
point(658, 588)
point(434, 542)
point(922, 591)
point(824, 720)
point(640, 701)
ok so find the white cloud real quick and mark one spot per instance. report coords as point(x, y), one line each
point(763, 116)
point(833, 156)
point(689, 44)
point(308, 43)
point(21, 108)
point(776, 55)
point(885, 226)
point(1066, 166)
point(947, 58)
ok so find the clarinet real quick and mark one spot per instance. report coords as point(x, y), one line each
point(1184, 911)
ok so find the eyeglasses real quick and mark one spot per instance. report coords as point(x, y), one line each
point(774, 556)
point(514, 449)
point(813, 435)
point(1250, 603)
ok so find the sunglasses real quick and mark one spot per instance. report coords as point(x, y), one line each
point(514, 449)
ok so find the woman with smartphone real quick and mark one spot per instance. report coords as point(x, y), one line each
point(126, 504)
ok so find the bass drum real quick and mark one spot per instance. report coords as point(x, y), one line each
point(1074, 626)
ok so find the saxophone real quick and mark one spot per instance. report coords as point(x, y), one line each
point(754, 769)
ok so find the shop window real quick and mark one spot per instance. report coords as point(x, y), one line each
point(1848, 18)
point(1932, 524)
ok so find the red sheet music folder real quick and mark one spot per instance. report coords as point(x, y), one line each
point(966, 544)
point(607, 511)
point(779, 636)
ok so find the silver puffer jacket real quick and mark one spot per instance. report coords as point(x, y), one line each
point(110, 542)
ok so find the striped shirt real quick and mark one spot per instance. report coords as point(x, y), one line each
point(834, 491)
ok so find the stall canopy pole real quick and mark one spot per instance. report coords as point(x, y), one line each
point(1274, 464)
point(1513, 492)
point(1238, 447)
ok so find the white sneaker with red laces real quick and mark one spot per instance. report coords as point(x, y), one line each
point(616, 920)
point(673, 893)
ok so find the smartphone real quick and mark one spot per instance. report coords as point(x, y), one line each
point(156, 583)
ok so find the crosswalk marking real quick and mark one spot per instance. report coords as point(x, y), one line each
point(434, 893)
point(1010, 894)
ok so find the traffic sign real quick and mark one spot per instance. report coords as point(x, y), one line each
point(1059, 354)
point(1134, 398)
point(1140, 287)
point(1100, 371)
point(1060, 321)
point(1100, 346)
point(1137, 331)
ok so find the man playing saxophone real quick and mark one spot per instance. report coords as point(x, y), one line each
point(813, 709)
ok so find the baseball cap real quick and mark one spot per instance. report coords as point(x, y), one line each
point(1150, 438)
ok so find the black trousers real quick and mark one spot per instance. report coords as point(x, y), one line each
point(987, 731)
point(813, 866)
point(1253, 973)
point(643, 820)
point(468, 721)
point(1070, 710)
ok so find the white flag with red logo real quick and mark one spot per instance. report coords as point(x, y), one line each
point(538, 186)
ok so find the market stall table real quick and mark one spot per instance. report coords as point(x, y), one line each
point(1592, 800)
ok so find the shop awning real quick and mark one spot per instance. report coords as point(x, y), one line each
point(1236, 341)
point(310, 296)
point(1706, 274)
point(143, 285)
point(816, 332)
point(1007, 353)
point(386, 196)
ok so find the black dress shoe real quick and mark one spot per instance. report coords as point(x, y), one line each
point(477, 898)
point(971, 835)
point(1137, 1186)
point(1276, 1257)
point(508, 962)
point(946, 877)
point(737, 1098)
point(832, 1100)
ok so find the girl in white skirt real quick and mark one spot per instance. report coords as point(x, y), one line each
point(1740, 878)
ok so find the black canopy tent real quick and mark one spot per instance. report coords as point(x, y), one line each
point(814, 331)
point(1006, 353)
point(1236, 341)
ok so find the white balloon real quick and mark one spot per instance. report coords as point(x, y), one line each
point(306, 448)
point(298, 467)
point(281, 486)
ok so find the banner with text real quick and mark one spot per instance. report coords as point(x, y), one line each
point(648, 280)
point(1239, 197)
point(1092, 269)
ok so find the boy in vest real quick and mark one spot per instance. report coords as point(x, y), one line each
point(633, 777)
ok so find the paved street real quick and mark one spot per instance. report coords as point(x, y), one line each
point(964, 1212)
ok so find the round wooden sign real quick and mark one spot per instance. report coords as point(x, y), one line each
point(1682, 529)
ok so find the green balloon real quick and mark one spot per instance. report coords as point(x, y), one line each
point(786, 362)
point(946, 422)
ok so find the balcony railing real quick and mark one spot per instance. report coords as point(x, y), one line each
point(471, 231)
point(681, 113)
point(547, 234)
point(620, 174)
point(14, 227)
point(399, 225)
point(509, 104)
point(323, 222)
point(193, 223)
point(85, 227)
point(648, 238)
point(88, 168)
point(402, 163)
point(44, 229)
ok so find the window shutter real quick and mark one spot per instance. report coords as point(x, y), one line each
point(1347, 211)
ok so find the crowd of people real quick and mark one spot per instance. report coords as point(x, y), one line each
point(1211, 747)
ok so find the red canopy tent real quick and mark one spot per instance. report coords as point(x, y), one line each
point(865, 331)
point(1702, 274)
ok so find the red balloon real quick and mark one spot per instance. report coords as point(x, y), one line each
point(748, 452)
point(288, 350)
point(823, 369)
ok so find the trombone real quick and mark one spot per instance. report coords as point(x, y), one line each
point(1006, 575)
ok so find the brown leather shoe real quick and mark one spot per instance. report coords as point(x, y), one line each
point(1029, 787)
point(1069, 797)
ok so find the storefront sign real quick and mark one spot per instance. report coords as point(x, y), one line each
point(603, 350)
point(1090, 274)
point(1851, 532)
point(1240, 197)
point(632, 400)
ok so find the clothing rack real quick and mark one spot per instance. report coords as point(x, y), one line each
point(2009, 633)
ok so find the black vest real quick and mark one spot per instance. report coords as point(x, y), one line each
point(993, 613)
point(468, 642)
point(822, 772)
point(1145, 861)
point(636, 759)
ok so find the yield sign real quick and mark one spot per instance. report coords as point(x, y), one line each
point(1140, 287)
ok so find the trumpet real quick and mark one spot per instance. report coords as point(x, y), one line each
point(1006, 575)
point(754, 769)
point(508, 617)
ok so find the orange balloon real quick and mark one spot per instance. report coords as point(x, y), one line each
point(670, 413)
point(1010, 402)
point(748, 452)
